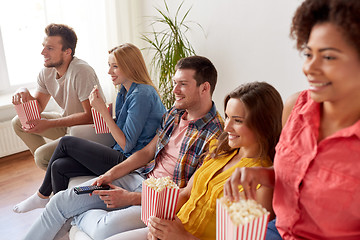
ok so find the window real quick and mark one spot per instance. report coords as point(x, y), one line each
point(22, 29)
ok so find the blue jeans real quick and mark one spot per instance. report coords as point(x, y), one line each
point(98, 223)
point(272, 232)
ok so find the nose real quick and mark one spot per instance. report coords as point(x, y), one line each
point(311, 65)
point(110, 71)
point(175, 88)
point(43, 51)
point(227, 125)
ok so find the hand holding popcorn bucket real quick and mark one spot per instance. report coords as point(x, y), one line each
point(27, 111)
point(159, 198)
point(242, 220)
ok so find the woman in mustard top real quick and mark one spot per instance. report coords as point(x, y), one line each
point(252, 128)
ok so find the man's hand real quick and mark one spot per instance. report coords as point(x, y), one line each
point(40, 125)
point(22, 95)
point(116, 197)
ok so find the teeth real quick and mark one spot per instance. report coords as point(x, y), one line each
point(318, 84)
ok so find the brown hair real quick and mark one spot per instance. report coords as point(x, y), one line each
point(205, 71)
point(67, 34)
point(345, 14)
point(264, 106)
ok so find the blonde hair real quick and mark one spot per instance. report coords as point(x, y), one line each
point(132, 64)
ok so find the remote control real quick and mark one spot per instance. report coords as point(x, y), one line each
point(90, 189)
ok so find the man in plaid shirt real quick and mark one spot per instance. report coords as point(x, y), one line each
point(185, 132)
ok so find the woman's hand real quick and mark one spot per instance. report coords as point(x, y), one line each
point(96, 101)
point(167, 229)
point(249, 178)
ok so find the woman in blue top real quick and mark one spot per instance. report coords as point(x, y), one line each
point(138, 115)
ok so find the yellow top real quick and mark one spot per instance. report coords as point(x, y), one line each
point(198, 214)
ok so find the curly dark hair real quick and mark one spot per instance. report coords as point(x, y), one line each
point(264, 106)
point(345, 14)
point(67, 34)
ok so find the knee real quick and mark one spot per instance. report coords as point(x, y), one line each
point(16, 124)
point(42, 157)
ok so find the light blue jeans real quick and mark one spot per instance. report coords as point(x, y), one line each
point(89, 212)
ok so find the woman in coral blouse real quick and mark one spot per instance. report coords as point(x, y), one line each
point(316, 170)
point(252, 127)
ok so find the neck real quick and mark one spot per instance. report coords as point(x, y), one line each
point(338, 115)
point(61, 70)
point(199, 111)
point(127, 85)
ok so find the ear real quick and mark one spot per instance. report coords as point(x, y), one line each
point(68, 51)
point(205, 87)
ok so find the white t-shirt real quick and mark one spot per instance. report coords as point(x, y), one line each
point(72, 88)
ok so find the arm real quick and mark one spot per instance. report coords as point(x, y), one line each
point(23, 95)
point(119, 197)
point(249, 178)
point(68, 121)
point(184, 194)
point(264, 196)
point(99, 105)
point(136, 160)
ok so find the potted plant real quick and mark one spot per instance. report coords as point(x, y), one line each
point(169, 44)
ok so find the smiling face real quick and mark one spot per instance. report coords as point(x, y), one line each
point(117, 76)
point(53, 54)
point(332, 65)
point(239, 135)
point(187, 94)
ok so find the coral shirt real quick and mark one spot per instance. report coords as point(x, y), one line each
point(317, 194)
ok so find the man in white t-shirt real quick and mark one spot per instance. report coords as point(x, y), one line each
point(69, 81)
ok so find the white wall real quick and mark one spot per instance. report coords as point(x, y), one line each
point(247, 40)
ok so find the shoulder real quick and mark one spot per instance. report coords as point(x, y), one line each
point(78, 65)
point(290, 103)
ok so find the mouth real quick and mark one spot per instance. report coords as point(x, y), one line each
point(318, 85)
point(178, 98)
point(113, 78)
point(232, 136)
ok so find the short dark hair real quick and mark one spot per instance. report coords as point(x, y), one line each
point(345, 14)
point(205, 71)
point(67, 34)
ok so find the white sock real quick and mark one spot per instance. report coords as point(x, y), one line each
point(30, 203)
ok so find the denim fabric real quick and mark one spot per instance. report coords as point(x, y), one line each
point(138, 115)
point(272, 233)
point(67, 204)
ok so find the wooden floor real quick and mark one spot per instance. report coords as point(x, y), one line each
point(19, 179)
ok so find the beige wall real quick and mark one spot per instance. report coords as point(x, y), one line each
point(247, 40)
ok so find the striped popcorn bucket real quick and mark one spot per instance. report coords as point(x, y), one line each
point(227, 230)
point(159, 204)
point(26, 112)
point(99, 122)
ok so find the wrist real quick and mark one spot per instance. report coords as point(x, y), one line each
point(135, 198)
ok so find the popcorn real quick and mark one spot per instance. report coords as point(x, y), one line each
point(158, 184)
point(245, 219)
point(27, 111)
point(159, 198)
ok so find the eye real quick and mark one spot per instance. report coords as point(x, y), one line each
point(327, 57)
point(239, 121)
point(307, 54)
